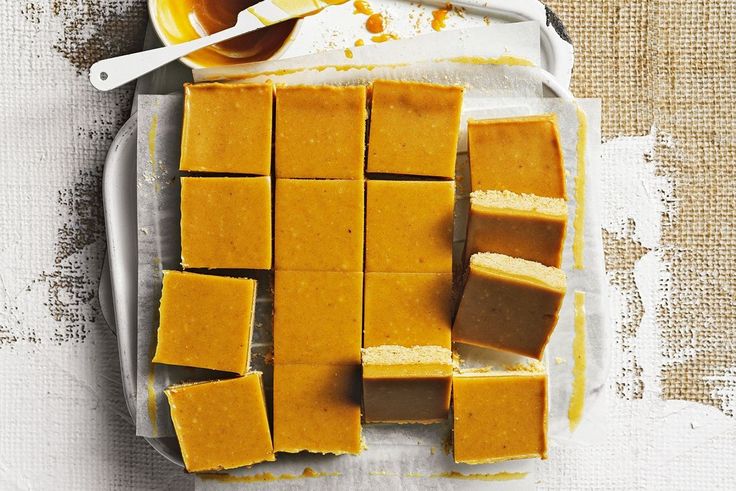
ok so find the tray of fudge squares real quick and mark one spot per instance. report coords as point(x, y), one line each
point(364, 272)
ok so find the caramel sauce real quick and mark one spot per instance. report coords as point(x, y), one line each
point(359, 42)
point(375, 24)
point(152, 410)
point(152, 139)
point(184, 20)
point(578, 245)
point(498, 476)
point(362, 7)
point(439, 16)
point(386, 36)
point(501, 60)
point(577, 398)
point(308, 473)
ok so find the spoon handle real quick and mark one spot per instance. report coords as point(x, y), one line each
point(113, 72)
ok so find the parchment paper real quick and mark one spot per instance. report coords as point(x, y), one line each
point(413, 456)
point(520, 40)
point(395, 453)
point(430, 58)
point(591, 280)
point(158, 186)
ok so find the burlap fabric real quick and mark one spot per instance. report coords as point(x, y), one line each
point(672, 64)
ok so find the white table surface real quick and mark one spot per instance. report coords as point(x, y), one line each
point(63, 422)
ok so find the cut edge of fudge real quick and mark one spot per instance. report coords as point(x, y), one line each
point(401, 355)
point(520, 270)
point(524, 203)
point(423, 361)
point(528, 367)
point(394, 373)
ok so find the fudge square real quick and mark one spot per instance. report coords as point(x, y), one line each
point(406, 385)
point(320, 132)
point(222, 424)
point(227, 128)
point(409, 226)
point(509, 304)
point(518, 225)
point(499, 416)
point(206, 321)
point(414, 128)
point(522, 155)
point(319, 225)
point(318, 317)
point(226, 222)
point(408, 309)
point(316, 408)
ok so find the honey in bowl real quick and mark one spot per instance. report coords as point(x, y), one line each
point(179, 21)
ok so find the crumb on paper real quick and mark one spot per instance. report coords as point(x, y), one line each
point(560, 360)
point(381, 473)
point(447, 444)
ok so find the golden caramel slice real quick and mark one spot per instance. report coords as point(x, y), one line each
point(320, 132)
point(408, 309)
point(206, 321)
point(499, 416)
point(227, 128)
point(318, 317)
point(522, 155)
point(317, 408)
point(319, 225)
point(223, 424)
point(406, 385)
point(518, 225)
point(226, 222)
point(414, 128)
point(509, 304)
point(409, 226)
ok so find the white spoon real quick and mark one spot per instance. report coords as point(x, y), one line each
point(113, 72)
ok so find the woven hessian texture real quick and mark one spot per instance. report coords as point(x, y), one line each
point(671, 64)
